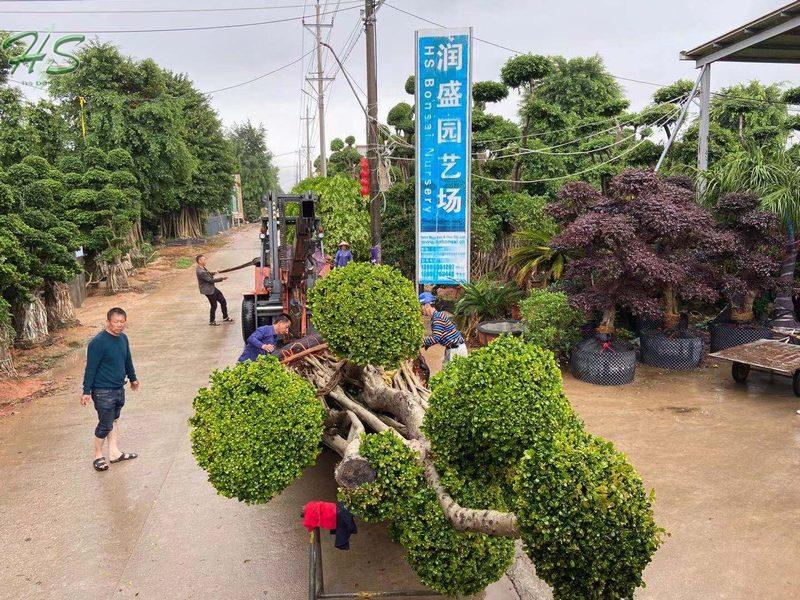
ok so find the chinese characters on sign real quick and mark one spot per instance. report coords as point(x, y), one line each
point(444, 109)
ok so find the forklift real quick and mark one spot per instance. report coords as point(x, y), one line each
point(290, 261)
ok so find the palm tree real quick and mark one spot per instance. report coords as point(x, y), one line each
point(775, 178)
point(533, 255)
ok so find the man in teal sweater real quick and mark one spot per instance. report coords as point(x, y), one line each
point(108, 362)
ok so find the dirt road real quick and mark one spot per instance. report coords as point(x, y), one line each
point(723, 461)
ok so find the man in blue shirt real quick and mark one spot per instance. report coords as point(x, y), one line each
point(264, 339)
point(343, 255)
point(108, 362)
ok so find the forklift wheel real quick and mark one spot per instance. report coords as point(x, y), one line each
point(796, 383)
point(248, 317)
point(740, 371)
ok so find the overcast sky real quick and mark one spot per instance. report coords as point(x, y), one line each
point(638, 39)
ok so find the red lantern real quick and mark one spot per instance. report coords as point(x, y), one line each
point(364, 177)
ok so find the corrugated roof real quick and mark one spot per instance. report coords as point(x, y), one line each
point(774, 37)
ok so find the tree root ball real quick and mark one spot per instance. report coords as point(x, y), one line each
point(255, 428)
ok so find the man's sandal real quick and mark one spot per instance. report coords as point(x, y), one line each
point(100, 464)
point(125, 456)
point(227, 320)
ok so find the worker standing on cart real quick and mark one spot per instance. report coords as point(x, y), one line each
point(206, 282)
point(443, 330)
point(265, 338)
point(343, 255)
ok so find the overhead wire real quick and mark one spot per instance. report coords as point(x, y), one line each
point(202, 27)
point(575, 174)
point(164, 10)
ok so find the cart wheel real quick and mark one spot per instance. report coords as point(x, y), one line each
point(796, 383)
point(740, 371)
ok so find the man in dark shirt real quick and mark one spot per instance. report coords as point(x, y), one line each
point(264, 339)
point(206, 281)
point(108, 362)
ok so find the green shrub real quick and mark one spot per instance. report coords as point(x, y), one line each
point(586, 521)
point(550, 322)
point(255, 428)
point(342, 212)
point(495, 404)
point(449, 561)
point(368, 314)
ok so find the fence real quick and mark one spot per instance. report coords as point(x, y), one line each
point(217, 223)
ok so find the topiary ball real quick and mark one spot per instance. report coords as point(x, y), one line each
point(255, 428)
point(586, 520)
point(488, 408)
point(368, 314)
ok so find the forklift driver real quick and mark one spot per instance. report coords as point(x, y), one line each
point(264, 339)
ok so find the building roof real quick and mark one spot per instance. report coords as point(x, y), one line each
point(772, 38)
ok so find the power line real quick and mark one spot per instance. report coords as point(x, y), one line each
point(584, 171)
point(163, 10)
point(202, 28)
point(286, 66)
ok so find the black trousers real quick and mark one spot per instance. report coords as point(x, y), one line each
point(223, 304)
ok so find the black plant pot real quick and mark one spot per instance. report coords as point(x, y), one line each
point(602, 362)
point(728, 335)
point(680, 353)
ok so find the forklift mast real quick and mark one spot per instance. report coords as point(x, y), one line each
point(284, 271)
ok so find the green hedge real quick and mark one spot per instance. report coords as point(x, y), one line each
point(550, 322)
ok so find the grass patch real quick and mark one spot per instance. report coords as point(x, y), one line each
point(75, 344)
point(184, 262)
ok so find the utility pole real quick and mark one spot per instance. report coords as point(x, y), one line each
point(307, 119)
point(372, 122)
point(320, 79)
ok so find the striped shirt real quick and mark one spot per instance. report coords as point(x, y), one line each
point(443, 331)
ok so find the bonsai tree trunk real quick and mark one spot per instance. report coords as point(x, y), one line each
point(671, 315)
point(116, 275)
point(60, 310)
point(607, 323)
point(526, 127)
point(743, 313)
point(405, 399)
point(31, 323)
point(6, 341)
point(783, 311)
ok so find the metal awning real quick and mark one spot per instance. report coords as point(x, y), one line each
point(772, 38)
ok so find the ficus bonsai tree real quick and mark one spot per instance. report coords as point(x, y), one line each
point(491, 453)
point(105, 204)
point(49, 240)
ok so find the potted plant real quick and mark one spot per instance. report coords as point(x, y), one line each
point(751, 264)
point(486, 304)
point(550, 321)
point(612, 267)
point(685, 238)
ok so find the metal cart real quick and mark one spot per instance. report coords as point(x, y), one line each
point(771, 356)
point(316, 581)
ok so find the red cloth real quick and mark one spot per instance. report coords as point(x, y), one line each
point(319, 514)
